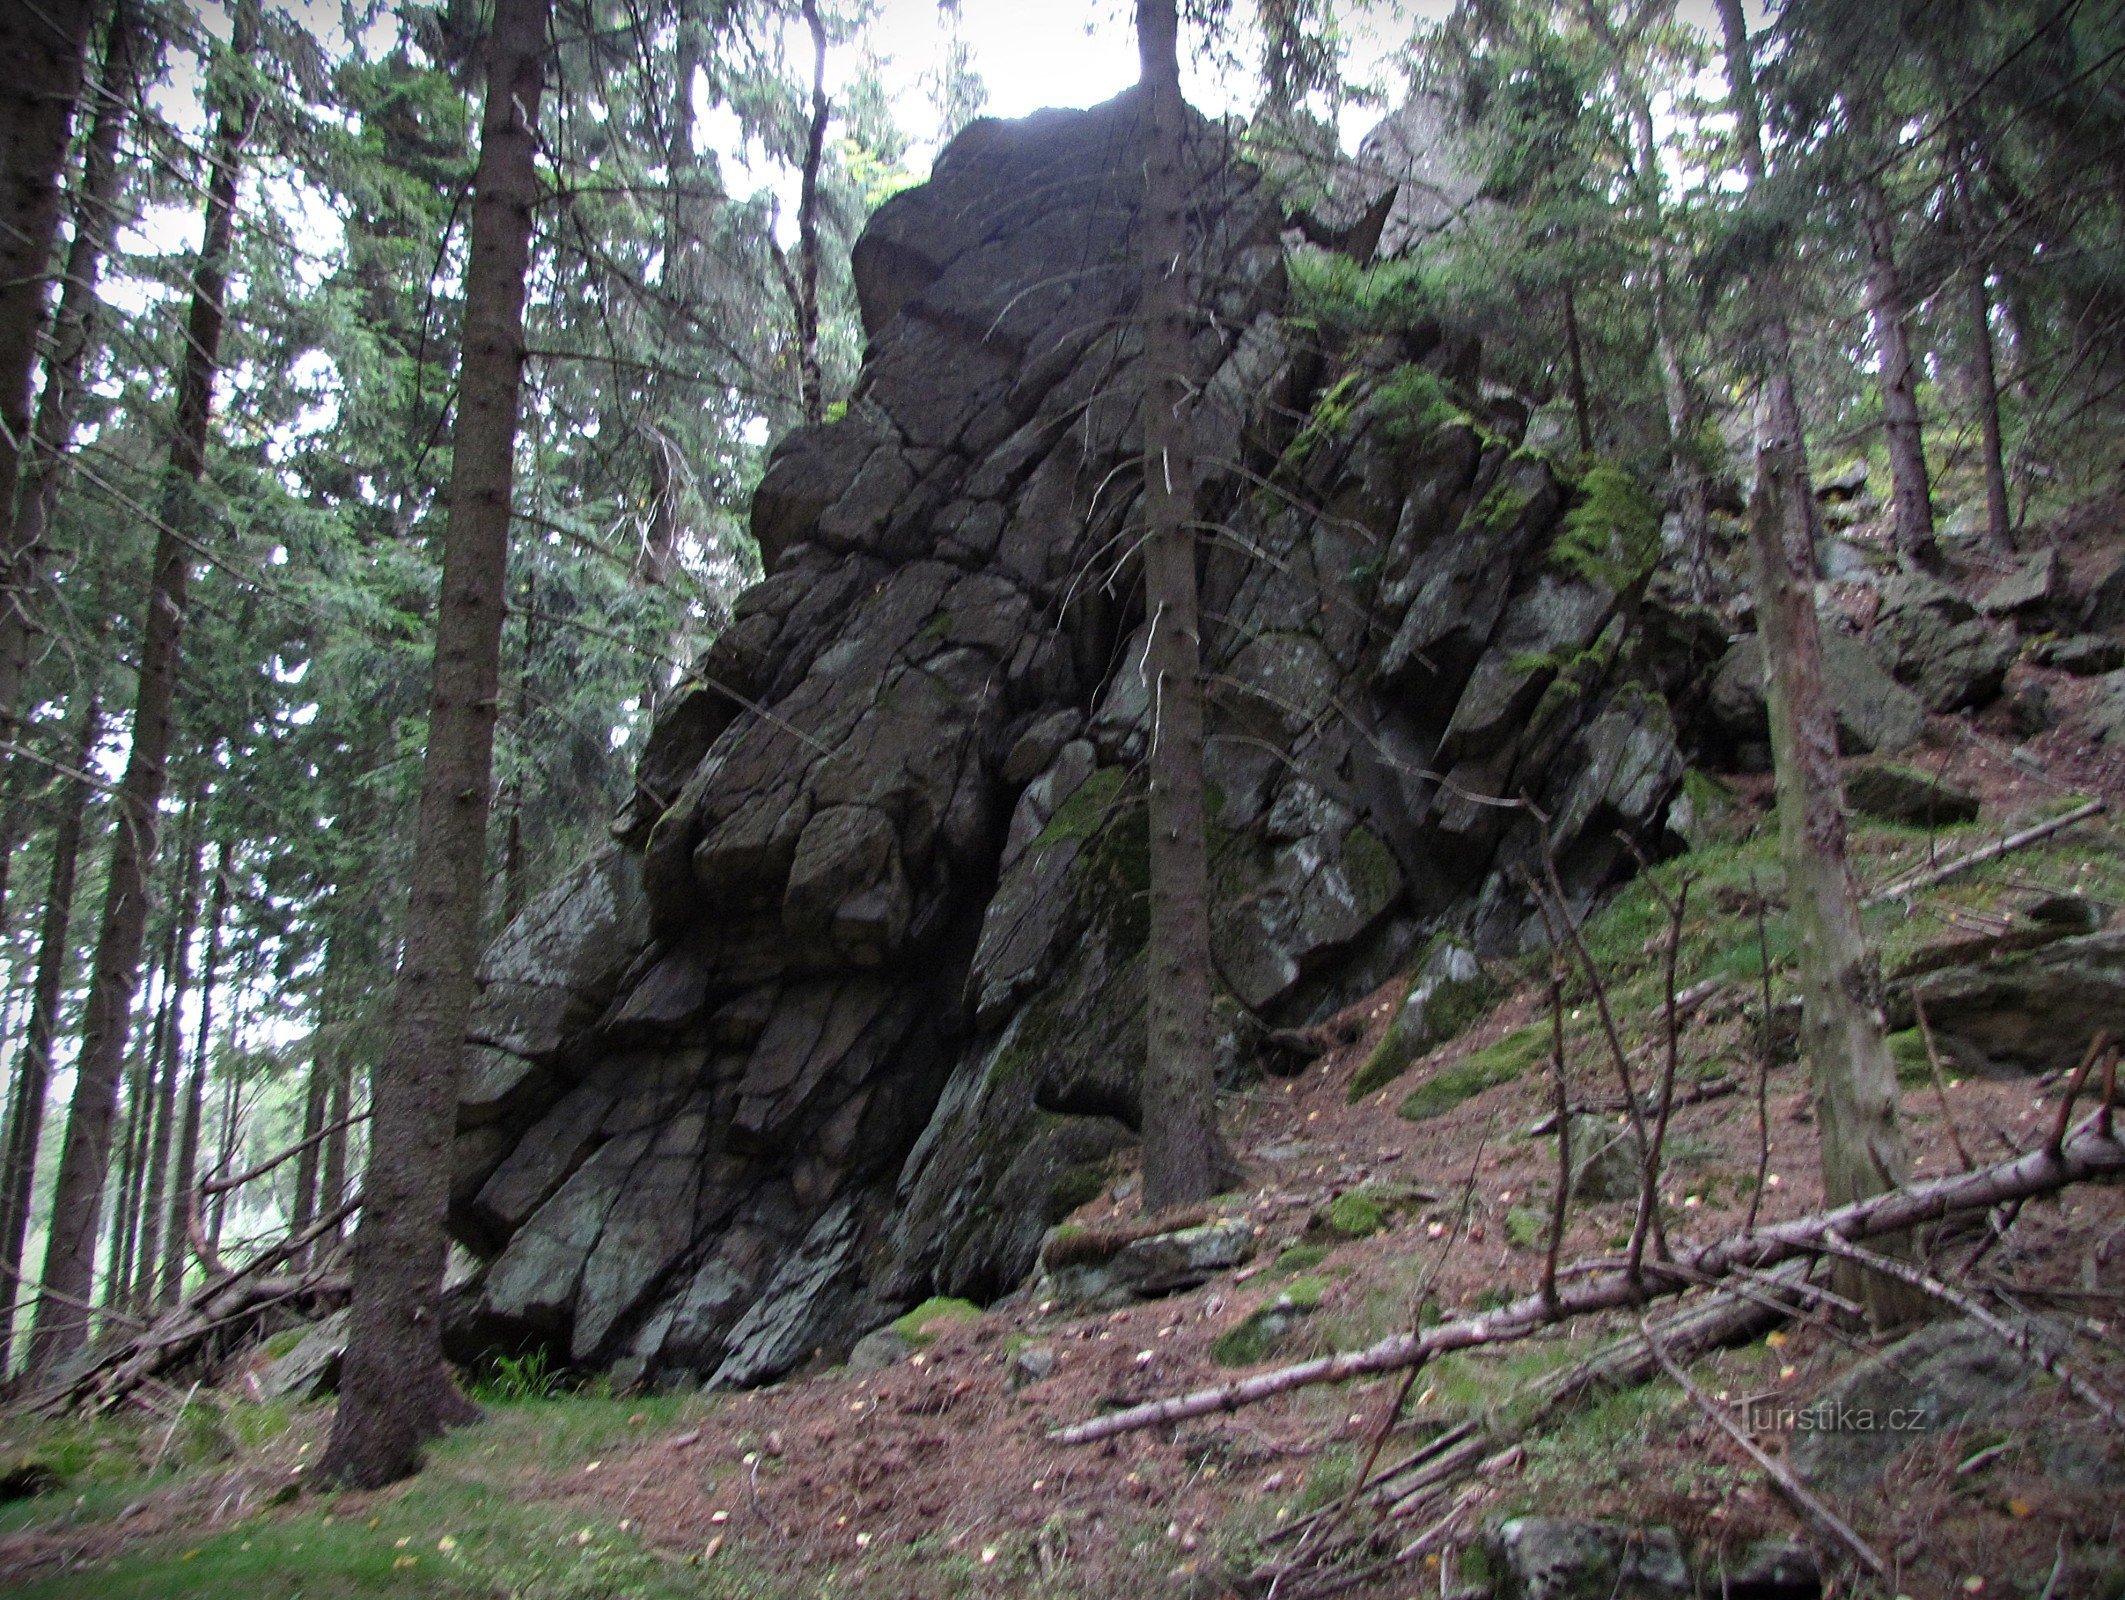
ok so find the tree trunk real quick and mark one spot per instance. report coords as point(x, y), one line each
point(33, 1069)
point(332, 1181)
point(1842, 1034)
point(42, 51)
point(1910, 486)
point(811, 381)
point(43, 471)
point(177, 1240)
point(177, 983)
point(395, 1391)
point(1984, 368)
point(125, 1215)
point(69, 1264)
point(306, 1208)
point(1181, 1154)
point(1575, 368)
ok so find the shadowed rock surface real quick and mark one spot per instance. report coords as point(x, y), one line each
point(851, 1011)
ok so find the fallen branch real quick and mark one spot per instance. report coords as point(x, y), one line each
point(2006, 1332)
point(1991, 852)
point(1795, 1492)
point(2087, 1154)
point(223, 1185)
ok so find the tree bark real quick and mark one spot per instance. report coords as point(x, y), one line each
point(43, 49)
point(22, 550)
point(177, 1240)
point(1910, 487)
point(177, 983)
point(33, 1070)
point(1575, 368)
point(395, 1391)
point(1181, 1154)
point(69, 1265)
point(1842, 1030)
point(811, 380)
point(1984, 367)
point(306, 1208)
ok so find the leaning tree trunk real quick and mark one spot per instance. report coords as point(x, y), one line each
point(1575, 374)
point(395, 1391)
point(1910, 487)
point(1842, 1029)
point(42, 51)
point(1181, 1155)
point(33, 1066)
point(43, 471)
point(69, 1262)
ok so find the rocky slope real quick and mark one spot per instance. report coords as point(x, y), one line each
point(851, 1010)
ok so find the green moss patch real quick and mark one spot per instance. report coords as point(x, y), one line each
point(1302, 1258)
point(1472, 1074)
point(1087, 809)
point(1356, 1215)
point(932, 1317)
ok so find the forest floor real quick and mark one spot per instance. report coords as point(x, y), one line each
point(937, 1476)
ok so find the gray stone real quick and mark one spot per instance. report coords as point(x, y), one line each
point(2035, 586)
point(310, 1370)
point(2104, 609)
point(855, 1011)
point(1605, 1163)
point(1939, 646)
point(1570, 1558)
point(2085, 655)
point(1900, 794)
point(1875, 713)
point(1150, 1268)
point(1947, 1375)
point(2105, 711)
point(879, 1349)
point(1032, 1363)
point(2027, 1010)
point(1772, 1568)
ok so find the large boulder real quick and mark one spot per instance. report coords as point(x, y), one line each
point(1875, 713)
point(2024, 1010)
point(854, 1012)
point(1940, 647)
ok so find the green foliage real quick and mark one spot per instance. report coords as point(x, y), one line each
point(1412, 403)
point(1611, 534)
point(512, 1379)
point(1343, 299)
point(1526, 1227)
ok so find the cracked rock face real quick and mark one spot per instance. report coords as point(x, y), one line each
point(852, 1010)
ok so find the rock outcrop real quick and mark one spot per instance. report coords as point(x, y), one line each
point(851, 1011)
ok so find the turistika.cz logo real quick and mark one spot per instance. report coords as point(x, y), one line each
point(1776, 1416)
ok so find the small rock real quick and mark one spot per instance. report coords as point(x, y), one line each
point(2037, 583)
point(311, 1369)
point(1145, 1269)
point(2085, 655)
point(879, 1349)
point(2105, 605)
point(1898, 794)
point(1569, 1558)
point(2029, 710)
point(1030, 1363)
point(1604, 1160)
point(1775, 1568)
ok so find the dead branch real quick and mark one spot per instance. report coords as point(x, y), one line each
point(1991, 852)
point(2015, 1338)
point(1562, 1198)
point(187, 1326)
point(1648, 1218)
point(2096, 1047)
point(1940, 1082)
point(1795, 1492)
point(223, 1185)
point(2086, 1154)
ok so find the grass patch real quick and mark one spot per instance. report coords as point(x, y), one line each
point(1302, 1258)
